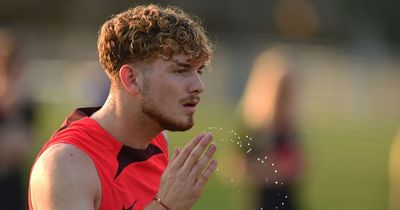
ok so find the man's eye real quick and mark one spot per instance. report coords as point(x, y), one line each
point(180, 71)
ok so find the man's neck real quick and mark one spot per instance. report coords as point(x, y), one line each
point(127, 125)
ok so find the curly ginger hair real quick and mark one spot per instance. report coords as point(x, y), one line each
point(149, 31)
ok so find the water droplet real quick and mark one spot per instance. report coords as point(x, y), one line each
point(272, 164)
point(258, 159)
point(248, 151)
point(276, 171)
point(247, 136)
point(232, 180)
point(262, 162)
point(283, 204)
point(265, 157)
point(251, 138)
point(248, 144)
point(266, 179)
point(285, 196)
point(276, 182)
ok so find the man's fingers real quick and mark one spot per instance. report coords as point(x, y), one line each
point(176, 153)
point(183, 155)
point(203, 178)
point(196, 153)
point(203, 161)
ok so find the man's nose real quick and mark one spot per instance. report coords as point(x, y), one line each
point(196, 84)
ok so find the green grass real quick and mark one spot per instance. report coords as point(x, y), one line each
point(347, 169)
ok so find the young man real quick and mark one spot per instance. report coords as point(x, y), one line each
point(116, 156)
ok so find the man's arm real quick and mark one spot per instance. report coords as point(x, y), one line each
point(64, 177)
point(186, 175)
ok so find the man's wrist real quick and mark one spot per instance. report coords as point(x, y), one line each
point(158, 200)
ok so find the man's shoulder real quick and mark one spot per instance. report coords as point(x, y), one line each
point(65, 154)
point(63, 171)
point(64, 160)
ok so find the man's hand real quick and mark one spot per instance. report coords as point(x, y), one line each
point(186, 175)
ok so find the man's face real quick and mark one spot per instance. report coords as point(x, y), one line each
point(171, 91)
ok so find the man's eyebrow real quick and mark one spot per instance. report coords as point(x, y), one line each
point(188, 65)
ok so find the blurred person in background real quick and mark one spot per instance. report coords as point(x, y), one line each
point(116, 156)
point(16, 116)
point(267, 114)
point(394, 173)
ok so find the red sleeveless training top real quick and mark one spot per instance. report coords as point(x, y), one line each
point(129, 177)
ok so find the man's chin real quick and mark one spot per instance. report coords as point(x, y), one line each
point(180, 127)
point(183, 125)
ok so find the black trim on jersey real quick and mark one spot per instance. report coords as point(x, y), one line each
point(128, 155)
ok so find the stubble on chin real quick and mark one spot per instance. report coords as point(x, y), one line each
point(166, 120)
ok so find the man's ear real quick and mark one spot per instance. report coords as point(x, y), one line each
point(129, 78)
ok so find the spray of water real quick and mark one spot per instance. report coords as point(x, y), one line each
point(244, 143)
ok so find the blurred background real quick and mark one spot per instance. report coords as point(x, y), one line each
point(314, 84)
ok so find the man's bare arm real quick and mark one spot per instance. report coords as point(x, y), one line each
point(64, 177)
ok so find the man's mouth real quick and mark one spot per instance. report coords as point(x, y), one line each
point(191, 103)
